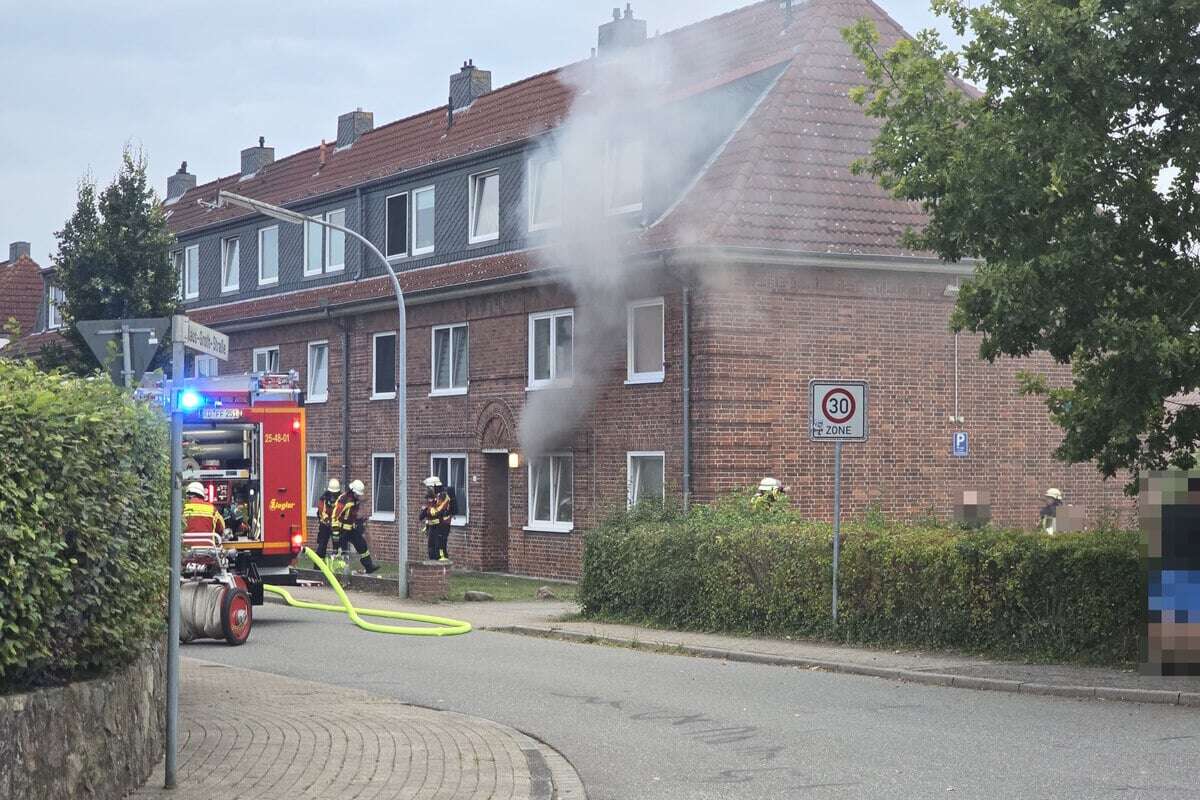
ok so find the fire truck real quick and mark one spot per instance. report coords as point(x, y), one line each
point(243, 439)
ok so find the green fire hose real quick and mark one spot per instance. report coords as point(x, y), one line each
point(446, 627)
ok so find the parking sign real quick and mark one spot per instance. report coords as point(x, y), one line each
point(959, 445)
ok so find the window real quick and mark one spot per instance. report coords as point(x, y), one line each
point(449, 359)
point(54, 305)
point(551, 352)
point(422, 223)
point(485, 207)
point(624, 186)
point(318, 372)
point(268, 255)
point(231, 264)
point(383, 370)
point(204, 367)
point(545, 194)
point(266, 359)
point(397, 225)
point(645, 477)
point(325, 248)
point(550, 493)
point(318, 475)
point(645, 341)
point(191, 272)
point(452, 469)
point(383, 486)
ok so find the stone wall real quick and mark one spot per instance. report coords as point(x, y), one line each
point(92, 739)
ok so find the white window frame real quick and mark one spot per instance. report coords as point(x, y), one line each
point(412, 229)
point(320, 270)
point(534, 166)
point(54, 319)
point(654, 376)
point(261, 280)
point(547, 525)
point(309, 396)
point(554, 380)
point(226, 287)
point(194, 290)
point(203, 359)
point(434, 391)
point(376, 395)
point(312, 509)
point(610, 178)
point(387, 214)
point(328, 235)
point(264, 351)
point(458, 520)
point(472, 185)
point(382, 516)
point(629, 457)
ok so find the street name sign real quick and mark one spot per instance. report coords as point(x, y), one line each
point(200, 338)
point(839, 411)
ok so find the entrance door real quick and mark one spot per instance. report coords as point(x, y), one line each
point(495, 521)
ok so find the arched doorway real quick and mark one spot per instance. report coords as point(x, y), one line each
point(496, 432)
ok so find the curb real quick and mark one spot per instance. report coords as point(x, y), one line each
point(1158, 696)
point(554, 778)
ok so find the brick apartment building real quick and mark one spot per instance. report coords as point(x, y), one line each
point(757, 265)
point(26, 301)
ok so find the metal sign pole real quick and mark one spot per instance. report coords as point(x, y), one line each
point(126, 355)
point(173, 589)
point(837, 521)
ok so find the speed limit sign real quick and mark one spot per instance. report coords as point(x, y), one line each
point(839, 410)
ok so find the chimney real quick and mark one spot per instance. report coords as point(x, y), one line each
point(620, 34)
point(18, 249)
point(353, 125)
point(469, 84)
point(180, 183)
point(255, 158)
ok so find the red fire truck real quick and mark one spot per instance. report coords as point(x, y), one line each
point(243, 439)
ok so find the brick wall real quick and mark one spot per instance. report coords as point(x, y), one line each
point(759, 336)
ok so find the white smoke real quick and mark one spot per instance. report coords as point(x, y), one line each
point(644, 98)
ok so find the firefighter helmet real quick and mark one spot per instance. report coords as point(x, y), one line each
point(1054, 494)
point(770, 486)
point(196, 488)
point(334, 486)
point(432, 482)
point(357, 487)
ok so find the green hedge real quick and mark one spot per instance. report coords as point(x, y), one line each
point(84, 521)
point(725, 567)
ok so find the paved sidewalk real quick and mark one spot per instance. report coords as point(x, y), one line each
point(248, 734)
point(965, 671)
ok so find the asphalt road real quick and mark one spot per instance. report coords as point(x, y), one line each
point(646, 725)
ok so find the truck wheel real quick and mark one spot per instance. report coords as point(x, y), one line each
point(237, 616)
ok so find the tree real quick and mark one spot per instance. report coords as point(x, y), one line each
point(1074, 177)
point(113, 256)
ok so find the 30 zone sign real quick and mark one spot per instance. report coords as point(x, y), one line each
point(839, 410)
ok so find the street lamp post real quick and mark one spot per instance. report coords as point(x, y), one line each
point(294, 217)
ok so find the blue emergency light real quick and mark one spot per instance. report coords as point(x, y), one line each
point(190, 400)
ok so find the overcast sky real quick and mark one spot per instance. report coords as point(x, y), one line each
point(202, 79)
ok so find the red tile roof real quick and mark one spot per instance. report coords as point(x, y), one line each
point(20, 293)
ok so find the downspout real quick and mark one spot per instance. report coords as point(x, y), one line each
point(687, 398)
point(344, 326)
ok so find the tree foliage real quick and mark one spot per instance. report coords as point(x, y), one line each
point(113, 258)
point(1072, 175)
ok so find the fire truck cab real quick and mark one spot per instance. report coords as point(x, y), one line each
point(243, 439)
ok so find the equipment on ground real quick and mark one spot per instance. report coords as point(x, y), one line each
point(446, 626)
point(218, 595)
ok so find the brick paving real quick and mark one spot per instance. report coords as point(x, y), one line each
point(248, 734)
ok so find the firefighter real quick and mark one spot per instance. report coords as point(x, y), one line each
point(348, 524)
point(769, 492)
point(436, 513)
point(199, 515)
point(1050, 511)
point(325, 507)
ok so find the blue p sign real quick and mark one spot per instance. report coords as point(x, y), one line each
point(959, 444)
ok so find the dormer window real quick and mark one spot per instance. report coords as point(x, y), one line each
point(485, 207)
point(545, 194)
point(231, 264)
point(54, 319)
point(325, 248)
point(623, 188)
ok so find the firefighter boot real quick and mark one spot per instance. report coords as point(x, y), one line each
point(369, 564)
